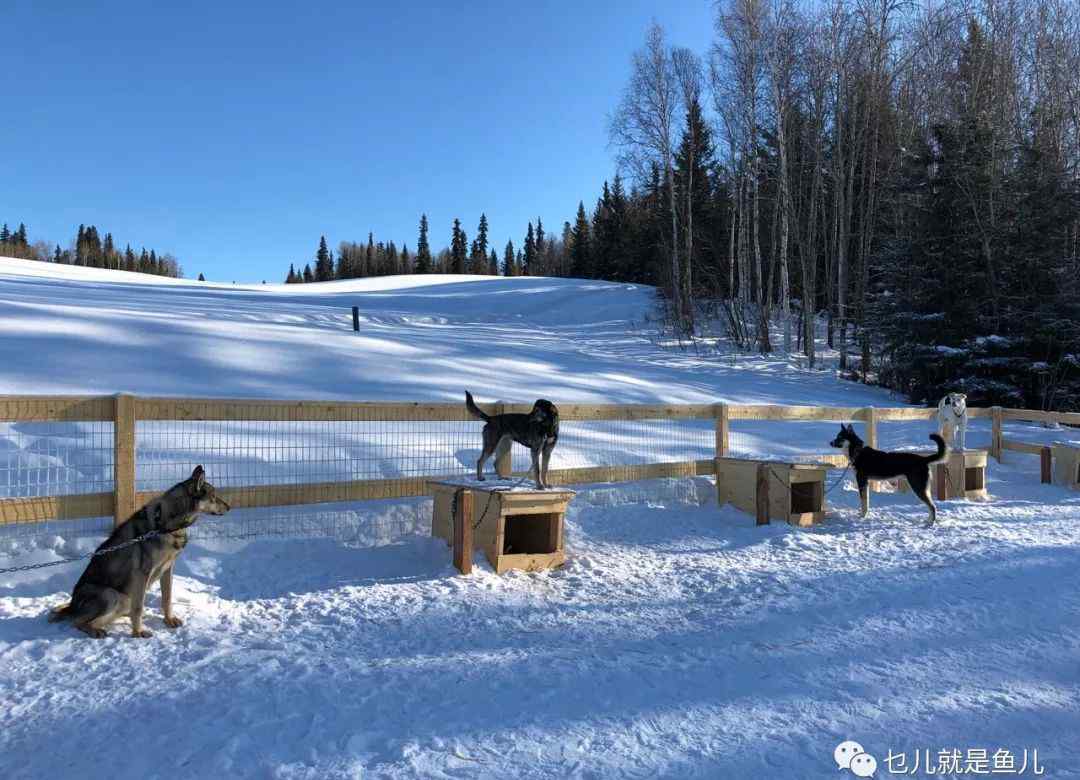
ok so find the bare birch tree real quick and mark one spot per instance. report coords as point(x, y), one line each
point(644, 125)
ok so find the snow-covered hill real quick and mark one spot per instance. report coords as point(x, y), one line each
point(680, 640)
point(66, 329)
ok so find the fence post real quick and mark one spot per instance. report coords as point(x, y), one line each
point(356, 319)
point(503, 460)
point(1046, 466)
point(995, 436)
point(123, 459)
point(463, 532)
point(871, 427)
point(722, 430)
point(762, 494)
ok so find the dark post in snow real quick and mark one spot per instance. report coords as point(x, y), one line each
point(356, 319)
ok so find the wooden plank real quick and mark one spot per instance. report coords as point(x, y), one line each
point(74, 507)
point(630, 473)
point(629, 411)
point(1021, 446)
point(723, 430)
point(253, 496)
point(1066, 462)
point(941, 481)
point(463, 532)
point(56, 408)
point(995, 434)
point(124, 458)
point(871, 427)
point(803, 413)
point(535, 508)
point(1035, 415)
point(762, 494)
point(241, 410)
point(906, 413)
point(529, 562)
point(503, 461)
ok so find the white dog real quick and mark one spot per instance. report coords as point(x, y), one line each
point(952, 419)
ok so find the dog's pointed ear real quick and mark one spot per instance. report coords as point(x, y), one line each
point(198, 478)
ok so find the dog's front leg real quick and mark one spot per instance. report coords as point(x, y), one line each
point(545, 462)
point(961, 432)
point(138, 603)
point(166, 599)
point(864, 496)
point(535, 452)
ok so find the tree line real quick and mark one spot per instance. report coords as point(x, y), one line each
point(904, 175)
point(89, 249)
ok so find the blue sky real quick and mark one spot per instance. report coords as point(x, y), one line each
point(235, 134)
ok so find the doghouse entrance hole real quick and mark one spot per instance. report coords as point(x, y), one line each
point(973, 479)
point(531, 534)
point(806, 497)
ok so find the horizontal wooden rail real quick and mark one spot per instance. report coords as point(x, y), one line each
point(796, 413)
point(73, 507)
point(1034, 415)
point(1022, 446)
point(59, 408)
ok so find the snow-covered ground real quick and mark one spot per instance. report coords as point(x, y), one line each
point(679, 640)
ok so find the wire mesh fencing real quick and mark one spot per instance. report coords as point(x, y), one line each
point(258, 451)
point(310, 468)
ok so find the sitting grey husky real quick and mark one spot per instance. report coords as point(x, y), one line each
point(114, 584)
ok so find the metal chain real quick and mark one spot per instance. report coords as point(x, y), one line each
point(847, 468)
point(94, 554)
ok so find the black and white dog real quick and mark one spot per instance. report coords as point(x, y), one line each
point(952, 417)
point(874, 464)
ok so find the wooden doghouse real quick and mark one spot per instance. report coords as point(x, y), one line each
point(1066, 459)
point(962, 475)
point(517, 527)
point(772, 489)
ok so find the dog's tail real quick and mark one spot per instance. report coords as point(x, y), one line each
point(940, 454)
point(63, 612)
point(474, 410)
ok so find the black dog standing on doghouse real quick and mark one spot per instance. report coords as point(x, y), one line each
point(538, 430)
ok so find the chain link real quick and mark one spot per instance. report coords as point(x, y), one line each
point(94, 554)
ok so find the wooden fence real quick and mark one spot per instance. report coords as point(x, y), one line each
point(125, 411)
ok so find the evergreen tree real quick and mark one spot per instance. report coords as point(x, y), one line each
point(406, 260)
point(493, 263)
point(540, 245)
point(203, 278)
point(457, 249)
point(528, 265)
point(20, 236)
point(508, 260)
point(291, 278)
point(581, 267)
point(308, 275)
point(324, 264)
point(5, 234)
point(423, 251)
point(478, 254)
